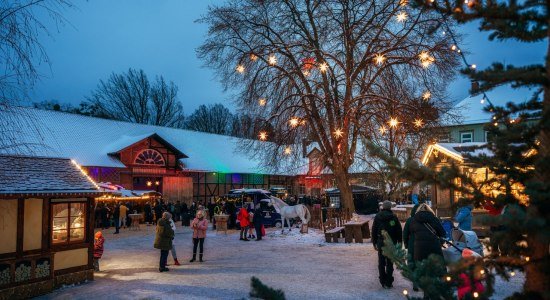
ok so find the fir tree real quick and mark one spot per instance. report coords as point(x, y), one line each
point(519, 141)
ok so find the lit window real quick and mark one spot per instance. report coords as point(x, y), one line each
point(69, 221)
point(466, 137)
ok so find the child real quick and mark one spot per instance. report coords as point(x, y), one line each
point(98, 249)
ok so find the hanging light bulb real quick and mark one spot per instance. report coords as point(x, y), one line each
point(418, 123)
point(453, 47)
point(240, 68)
point(403, 2)
point(427, 95)
point(473, 67)
point(405, 292)
point(382, 129)
point(323, 67)
point(262, 101)
point(306, 73)
point(393, 122)
point(379, 59)
point(288, 150)
point(272, 60)
point(482, 100)
point(253, 57)
point(294, 122)
point(338, 133)
point(426, 59)
point(401, 17)
point(263, 135)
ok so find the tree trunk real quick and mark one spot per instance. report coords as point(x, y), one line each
point(346, 196)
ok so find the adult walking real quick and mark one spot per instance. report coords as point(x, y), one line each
point(427, 230)
point(387, 221)
point(244, 223)
point(163, 239)
point(258, 221)
point(408, 241)
point(116, 218)
point(173, 249)
point(464, 217)
point(199, 225)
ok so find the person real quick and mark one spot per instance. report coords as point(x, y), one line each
point(148, 213)
point(199, 225)
point(193, 209)
point(464, 217)
point(184, 214)
point(173, 250)
point(122, 217)
point(177, 211)
point(116, 218)
point(105, 216)
point(408, 241)
point(244, 222)
point(158, 210)
point(163, 239)
point(211, 206)
point(427, 230)
point(99, 240)
point(258, 221)
point(387, 221)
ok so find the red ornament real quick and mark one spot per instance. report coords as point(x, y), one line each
point(308, 63)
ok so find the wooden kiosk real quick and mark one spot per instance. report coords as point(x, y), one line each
point(46, 225)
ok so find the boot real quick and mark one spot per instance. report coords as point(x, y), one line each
point(200, 257)
point(176, 262)
point(194, 257)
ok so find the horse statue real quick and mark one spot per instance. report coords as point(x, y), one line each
point(288, 212)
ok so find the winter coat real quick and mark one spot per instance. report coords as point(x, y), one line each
point(258, 218)
point(199, 228)
point(164, 236)
point(123, 211)
point(464, 217)
point(408, 236)
point(116, 213)
point(386, 220)
point(177, 209)
point(243, 217)
point(98, 247)
point(425, 242)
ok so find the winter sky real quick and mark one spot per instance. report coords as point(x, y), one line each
point(160, 37)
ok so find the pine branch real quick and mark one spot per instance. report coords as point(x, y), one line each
point(262, 291)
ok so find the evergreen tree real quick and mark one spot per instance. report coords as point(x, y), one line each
point(519, 142)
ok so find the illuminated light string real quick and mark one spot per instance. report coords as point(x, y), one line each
point(84, 173)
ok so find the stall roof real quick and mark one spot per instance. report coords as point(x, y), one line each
point(43, 175)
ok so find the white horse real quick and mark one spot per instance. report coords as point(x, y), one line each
point(288, 212)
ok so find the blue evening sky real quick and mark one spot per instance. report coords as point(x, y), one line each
point(160, 37)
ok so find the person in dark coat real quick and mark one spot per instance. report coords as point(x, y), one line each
point(258, 221)
point(177, 211)
point(116, 217)
point(192, 210)
point(105, 216)
point(158, 210)
point(408, 241)
point(426, 242)
point(387, 221)
point(163, 239)
point(148, 213)
point(185, 219)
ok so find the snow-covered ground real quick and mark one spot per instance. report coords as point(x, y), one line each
point(303, 265)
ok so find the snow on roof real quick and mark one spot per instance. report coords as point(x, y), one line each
point(26, 175)
point(472, 110)
point(89, 141)
point(457, 150)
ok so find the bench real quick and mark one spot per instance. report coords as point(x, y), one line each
point(332, 235)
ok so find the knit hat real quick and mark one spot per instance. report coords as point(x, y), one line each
point(98, 235)
point(386, 205)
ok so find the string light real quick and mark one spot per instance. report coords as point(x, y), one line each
point(306, 73)
point(448, 278)
point(272, 60)
point(288, 150)
point(379, 59)
point(427, 95)
point(263, 135)
point(323, 67)
point(418, 122)
point(453, 47)
point(401, 17)
point(262, 101)
point(527, 258)
point(403, 2)
point(496, 124)
point(482, 272)
point(393, 122)
point(294, 122)
point(426, 59)
point(476, 294)
point(405, 292)
point(79, 167)
point(338, 133)
point(253, 57)
point(474, 66)
point(482, 100)
point(240, 69)
point(512, 273)
point(382, 129)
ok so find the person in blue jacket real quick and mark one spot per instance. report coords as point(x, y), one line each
point(464, 217)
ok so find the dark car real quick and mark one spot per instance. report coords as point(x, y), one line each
point(248, 196)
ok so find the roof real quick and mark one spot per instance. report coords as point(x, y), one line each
point(457, 151)
point(40, 175)
point(472, 111)
point(90, 140)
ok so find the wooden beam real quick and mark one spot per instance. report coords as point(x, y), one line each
point(20, 226)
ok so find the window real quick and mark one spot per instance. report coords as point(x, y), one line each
point(466, 136)
point(68, 222)
point(149, 157)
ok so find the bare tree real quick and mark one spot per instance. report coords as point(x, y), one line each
point(310, 69)
point(131, 97)
point(212, 118)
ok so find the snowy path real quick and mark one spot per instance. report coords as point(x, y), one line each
point(302, 265)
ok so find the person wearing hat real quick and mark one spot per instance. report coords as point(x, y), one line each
point(387, 221)
point(99, 240)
